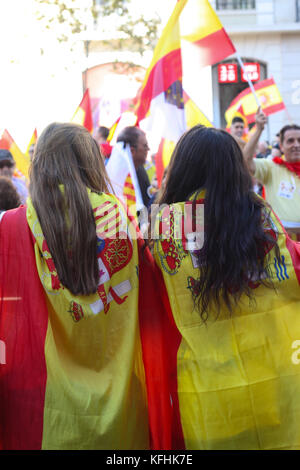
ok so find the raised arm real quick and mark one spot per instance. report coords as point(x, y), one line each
point(250, 147)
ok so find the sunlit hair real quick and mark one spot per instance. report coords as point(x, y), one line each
point(66, 154)
point(234, 240)
point(288, 127)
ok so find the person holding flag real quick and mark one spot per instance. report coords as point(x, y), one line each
point(281, 177)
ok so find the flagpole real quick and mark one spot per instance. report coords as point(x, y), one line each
point(288, 116)
point(248, 79)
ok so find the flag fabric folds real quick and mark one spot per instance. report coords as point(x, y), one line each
point(73, 375)
point(22, 160)
point(83, 114)
point(163, 110)
point(122, 174)
point(236, 377)
point(268, 95)
point(192, 21)
point(240, 113)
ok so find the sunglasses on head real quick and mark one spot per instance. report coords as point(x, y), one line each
point(6, 163)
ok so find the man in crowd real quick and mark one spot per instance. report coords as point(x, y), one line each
point(139, 148)
point(7, 168)
point(237, 130)
point(280, 176)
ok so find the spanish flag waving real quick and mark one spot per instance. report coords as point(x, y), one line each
point(22, 160)
point(32, 141)
point(236, 378)
point(268, 95)
point(72, 372)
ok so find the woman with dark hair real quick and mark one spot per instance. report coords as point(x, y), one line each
point(9, 198)
point(72, 375)
point(232, 278)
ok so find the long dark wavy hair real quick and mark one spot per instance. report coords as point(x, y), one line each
point(66, 154)
point(234, 239)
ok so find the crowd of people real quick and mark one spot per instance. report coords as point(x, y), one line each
point(180, 335)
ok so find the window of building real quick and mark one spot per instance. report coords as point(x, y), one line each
point(235, 4)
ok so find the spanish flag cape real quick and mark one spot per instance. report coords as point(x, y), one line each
point(236, 379)
point(72, 367)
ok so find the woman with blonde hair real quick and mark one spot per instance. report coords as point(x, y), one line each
point(72, 375)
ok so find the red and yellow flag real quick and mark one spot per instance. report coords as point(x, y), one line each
point(83, 114)
point(125, 119)
point(162, 108)
point(22, 160)
point(240, 113)
point(32, 141)
point(236, 378)
point(192, 21)
point(193, 116)
point(268, 95)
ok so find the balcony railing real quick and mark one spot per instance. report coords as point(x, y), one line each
point(235, 4)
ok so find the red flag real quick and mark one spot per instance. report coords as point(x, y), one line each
point(83, 114)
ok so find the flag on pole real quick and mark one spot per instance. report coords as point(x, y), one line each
point(161, 107)
point(240, 113)
point(268, 95)
point(194, 115)
point(22, 160)
point(32, 141)
point(83, 114)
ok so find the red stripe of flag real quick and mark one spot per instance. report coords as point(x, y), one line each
point(104, 214)
point(130, 197)
point(159, 354)
point(159, 164)
point(23, 327)
point(215, 47)
point(267, 110)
